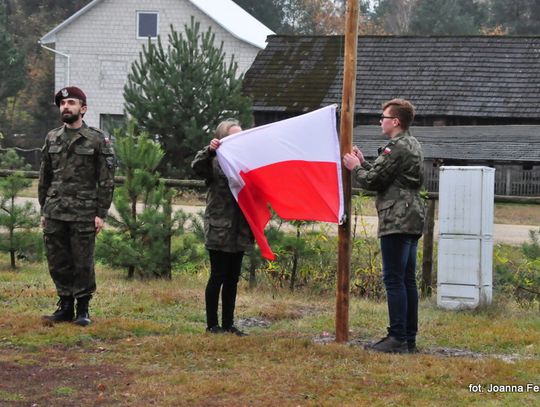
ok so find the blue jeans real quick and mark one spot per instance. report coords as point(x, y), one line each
point(399, 276)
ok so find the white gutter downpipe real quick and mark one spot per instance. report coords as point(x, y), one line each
point(68, 58)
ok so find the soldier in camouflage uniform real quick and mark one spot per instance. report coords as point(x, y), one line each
point(397, 176)
point(227, 234)
point(76, 183)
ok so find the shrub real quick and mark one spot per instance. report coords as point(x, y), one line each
point(532, 249)
point(516, 275)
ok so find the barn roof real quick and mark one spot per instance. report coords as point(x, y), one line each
point(474, 76)
point(472, 143)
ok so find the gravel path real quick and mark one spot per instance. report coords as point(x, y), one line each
point(511, 234)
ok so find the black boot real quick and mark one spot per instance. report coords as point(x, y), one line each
point(64, 312)
point(83, 317)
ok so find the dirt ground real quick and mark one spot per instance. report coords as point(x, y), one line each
point(60, 377)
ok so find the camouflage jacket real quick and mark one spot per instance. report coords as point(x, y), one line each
point(76, 178)
point(225, 226)
point(397, 176)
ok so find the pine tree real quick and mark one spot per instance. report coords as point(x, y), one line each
point(141, 240)
point(13, 216)
point(180, 93)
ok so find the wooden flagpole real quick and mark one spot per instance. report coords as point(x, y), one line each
point(348, 103)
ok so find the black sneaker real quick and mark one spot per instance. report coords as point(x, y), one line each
point(234, 330)
point(216, 329)
point(389, 344)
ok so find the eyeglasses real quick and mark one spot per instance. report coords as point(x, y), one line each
point(387, 117)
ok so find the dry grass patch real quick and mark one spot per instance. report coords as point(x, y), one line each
point(517, 214)
point(147, 346)
point(224, 370)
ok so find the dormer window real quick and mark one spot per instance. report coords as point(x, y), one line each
point(147, 24)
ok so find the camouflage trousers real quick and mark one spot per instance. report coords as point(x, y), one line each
point(70, 253)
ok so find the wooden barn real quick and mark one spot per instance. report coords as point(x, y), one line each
point(514, 152)
point(477, 97)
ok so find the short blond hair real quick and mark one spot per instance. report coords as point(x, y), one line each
point(223, 128)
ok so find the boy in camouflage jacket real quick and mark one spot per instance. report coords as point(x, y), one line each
point(396, 176)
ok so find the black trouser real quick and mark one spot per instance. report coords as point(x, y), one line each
point(224, 271)
point(70, 254)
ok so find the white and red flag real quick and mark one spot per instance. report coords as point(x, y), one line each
point(293, 165)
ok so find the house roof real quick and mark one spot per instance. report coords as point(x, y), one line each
point(444, 76)
point(519, 143)
point(225, 13)
point(235, 20)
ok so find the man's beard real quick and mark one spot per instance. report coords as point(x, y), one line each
point(70, 118)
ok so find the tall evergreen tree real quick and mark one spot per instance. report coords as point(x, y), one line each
point(141, 240)
point(179, 93)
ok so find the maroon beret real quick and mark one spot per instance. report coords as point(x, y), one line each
point(70, 92)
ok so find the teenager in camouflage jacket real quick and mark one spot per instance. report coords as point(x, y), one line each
point(227, 234)
point(396, 176)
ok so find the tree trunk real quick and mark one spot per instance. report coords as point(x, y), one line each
point(252, 269)
point(295, 259)
point(11, 243)
point(12, 258)
point(131, 269)
point(167, 212)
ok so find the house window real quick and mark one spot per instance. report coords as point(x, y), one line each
point(147, 24)
point(109, 122)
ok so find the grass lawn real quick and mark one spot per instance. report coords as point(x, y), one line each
point(147, 347)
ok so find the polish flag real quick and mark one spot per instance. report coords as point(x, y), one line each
point(293, 165)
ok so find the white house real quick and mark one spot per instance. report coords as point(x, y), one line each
point(94, 48)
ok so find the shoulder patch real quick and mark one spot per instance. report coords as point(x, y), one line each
point(103, 135)
point(96, 129)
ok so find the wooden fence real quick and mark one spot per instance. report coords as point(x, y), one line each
point(512, 180)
